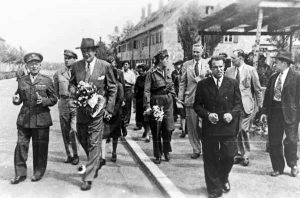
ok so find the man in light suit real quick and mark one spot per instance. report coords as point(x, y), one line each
point(192, 72)
point(218, 103)
point(90, 129)
point(282, 108)
point(251, 91)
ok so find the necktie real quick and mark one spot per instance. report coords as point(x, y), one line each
point(87, 73)
point(237, 77)
point(277, 91)
point(196, 69)
point(218, 83)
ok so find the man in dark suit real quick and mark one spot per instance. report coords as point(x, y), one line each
point(282, 108)
point(36, 92)
point(90, 129)
point(218, 103)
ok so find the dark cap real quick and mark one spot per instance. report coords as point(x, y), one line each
point(70, 54)
point(33, 56)
point(161, 54)
point(179, 62)
point(87, 43)
point(284, 55)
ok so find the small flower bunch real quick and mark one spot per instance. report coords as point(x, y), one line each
point(84, 92)
point(158, 113)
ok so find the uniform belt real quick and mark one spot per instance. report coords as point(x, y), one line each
point(64, 97)
point(159, 92)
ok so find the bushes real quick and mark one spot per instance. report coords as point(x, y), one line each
point(7, 75)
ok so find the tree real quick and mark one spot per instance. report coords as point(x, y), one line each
point(9, 54)
point(102, 51)
point(282, 42)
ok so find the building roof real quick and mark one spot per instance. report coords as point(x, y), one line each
point(157, 18)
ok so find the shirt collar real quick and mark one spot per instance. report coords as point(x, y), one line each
point(220, 80)
point(285, 71)
point(91, 63)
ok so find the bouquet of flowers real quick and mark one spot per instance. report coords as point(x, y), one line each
point(158, 113)
point(86, 94)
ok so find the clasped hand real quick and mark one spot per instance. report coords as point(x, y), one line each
point(214, 118)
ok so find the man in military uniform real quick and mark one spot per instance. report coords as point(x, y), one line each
point(159, 90)
point(36, 92)
point(67, 107)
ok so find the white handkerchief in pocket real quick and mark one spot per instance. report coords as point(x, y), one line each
point(101, 77)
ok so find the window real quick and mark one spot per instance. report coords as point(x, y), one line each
point(135, 44)
point(146, 41)
point(123, 48)
point(153, 39)
point(230, 39)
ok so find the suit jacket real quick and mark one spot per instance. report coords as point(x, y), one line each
point(290, 96)
point(249, 85)
point(188, 84)
point(34, 115)
point(103, 78)
point(226, 99)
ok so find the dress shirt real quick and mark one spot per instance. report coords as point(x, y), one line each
point(240, 68)
point(283, 77)
point(129, 77)
point(220, 81)
point(32, 78)
point(92, 65)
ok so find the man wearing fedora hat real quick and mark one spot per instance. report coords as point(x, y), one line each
point(90, 129)
point(67, 107)
point(37, 94)
point(281, 107)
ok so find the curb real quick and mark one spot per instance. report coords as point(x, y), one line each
point(161, 180)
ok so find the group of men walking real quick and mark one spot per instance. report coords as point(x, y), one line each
point(219, 108)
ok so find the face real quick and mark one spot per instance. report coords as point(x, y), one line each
point(165, 61)
point(250, 57)
point(113, 63)
point(178, 67)
point(34, 67)
point(217, 68)
point(141, 72)
point(126, 66)
point(197, 53)
point(235, 59)
point(69, 61)
point(280, 65)
point(88, 54)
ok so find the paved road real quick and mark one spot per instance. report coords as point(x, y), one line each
point(121, 179)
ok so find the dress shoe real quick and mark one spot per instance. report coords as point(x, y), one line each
point(237, 159)
point(182, 135)
point(137, 128)
point(214, 194)
point(144, 135)
point(75, 160)
point(167, 157)
point(113, 157)
point(17, 179)
point(102, 162)
point(35, 178)
point(226, 187)
point(276, 173)
point(86, 185)
point(69, 159)
point(294, 171)
point(147, 140)
point(124, 131)
point(195, 155)
point(157, 160)
point(245, 162)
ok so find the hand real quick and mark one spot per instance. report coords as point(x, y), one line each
point(213, 118)
point(39, 98)
point(16, 98)
point(93, 101)
point(148, 111)
point(179, 104)
point(123, 104)
point(227, 117)
point(263, 117)
point(107, 116)
point(198, 78)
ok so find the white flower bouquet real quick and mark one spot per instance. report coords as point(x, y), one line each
point(158, 113)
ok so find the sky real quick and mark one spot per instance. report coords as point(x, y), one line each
point(50, 26)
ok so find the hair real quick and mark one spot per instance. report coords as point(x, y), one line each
point(126, 62)
point(111, 59)
point(215, 58)
point(142, 66)
point(240, 53)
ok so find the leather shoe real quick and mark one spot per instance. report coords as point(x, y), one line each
point(124, 131)
point(157, 160)
point(195, 155)
point(35, 178)
point(144, 135)
point(137, 128)
point(75, 160)
point(167, 157)
point(214, 194)
point(237, 159)
point(86, 185)
point(276, 173)
point(113, 157)
point(17, 179)
point(182, 135)
point(69, 159)
point(245, 162)
point(226, 187)
point(294, 171)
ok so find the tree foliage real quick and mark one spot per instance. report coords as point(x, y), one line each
point(9, 54)
point(282, 42)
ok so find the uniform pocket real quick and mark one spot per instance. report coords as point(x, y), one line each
point(43, 119)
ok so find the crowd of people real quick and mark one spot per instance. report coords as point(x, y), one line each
point(215, 100)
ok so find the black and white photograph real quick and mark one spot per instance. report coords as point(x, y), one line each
point(149, 98)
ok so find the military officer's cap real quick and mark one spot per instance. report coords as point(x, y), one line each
point(33, 56)
point(179, 62)
point(162, 54)
point(70, 54)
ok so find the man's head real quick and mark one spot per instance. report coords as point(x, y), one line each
point(33, 62)
point(112, 61)
point(161, 58)
point(69, 57)
point(142, 69)
point(250, 56)
point(237, 57)
point(178, 64)
point(197, 51)
point(261, 60)
point(88, 49)
point(217, 66)
point(283, 60)
point(126, 65)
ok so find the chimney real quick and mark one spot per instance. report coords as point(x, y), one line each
point(143, 13)
point(160, 4)
point(149, 9)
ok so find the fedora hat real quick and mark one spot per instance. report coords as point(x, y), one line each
point(284, 55)
point(87, 43)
